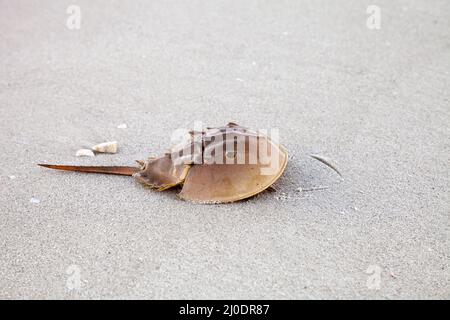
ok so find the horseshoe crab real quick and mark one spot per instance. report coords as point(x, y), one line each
point(216, 165)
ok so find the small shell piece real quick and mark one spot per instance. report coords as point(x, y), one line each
point(35, 200)
point(106, 147)
point(85, 153)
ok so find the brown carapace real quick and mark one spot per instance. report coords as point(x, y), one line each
point(216, 165)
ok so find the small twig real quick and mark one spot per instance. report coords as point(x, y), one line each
point(300, 189)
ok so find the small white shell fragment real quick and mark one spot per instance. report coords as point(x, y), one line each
point(106, 147)
point(85, 153)
point(35, 200)
point(122, 126)
point(12, 177)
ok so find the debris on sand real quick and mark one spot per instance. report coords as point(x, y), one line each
point(85, 153)
point(122, 126)
point(326, 162)
point(300, 189)
point(393, 275)
point(35, 200)
point(106, 147)
point(282, 196)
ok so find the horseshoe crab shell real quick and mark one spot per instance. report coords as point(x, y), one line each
point(232, 163)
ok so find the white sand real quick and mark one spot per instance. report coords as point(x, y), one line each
point(375, 101)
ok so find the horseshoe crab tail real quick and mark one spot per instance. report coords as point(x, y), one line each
point(123, 171)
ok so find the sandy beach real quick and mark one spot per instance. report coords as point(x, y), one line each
point(374, 100)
